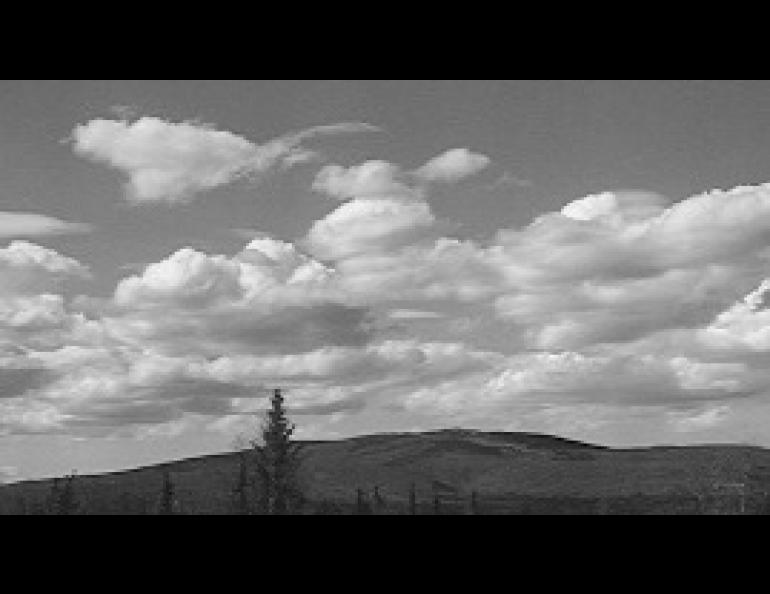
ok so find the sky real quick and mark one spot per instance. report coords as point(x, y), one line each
point(583, 258)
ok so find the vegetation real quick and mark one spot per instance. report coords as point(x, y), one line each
point(445, 472)
point(63, 501)
point(167, 505)
point(277, 460)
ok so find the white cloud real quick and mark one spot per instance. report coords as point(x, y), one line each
point(453, 165)
point(381, 179)
point(26, 224)
point(618, 304)
point(620, 265)
point(368, 226)
point(745, 325)
point(29, 268)
point(372, 179)
point(171, 162)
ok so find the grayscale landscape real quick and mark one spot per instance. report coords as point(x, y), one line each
point(384, 297)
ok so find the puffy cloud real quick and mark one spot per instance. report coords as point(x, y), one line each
point(27, 224)
point(453, 165)
point(386, 207)
point(36, 311)
point(28, 268)
point(170, 161)
point(615, 208)
point(381, 179)
point(368, 226)
point(619, 265)
point(266, 272)
point(268, 296)
point(745, 325)
point(618, 305)
point(447, 269)
point(372, 179)
point(187, 277)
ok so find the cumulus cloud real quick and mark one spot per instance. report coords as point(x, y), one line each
point(368, 226)
point(27, 224)
point(616, 266)
point(381, 179)
point(372, 179)
point(267, 296)
point(27, 268)
point(172, 161)
point(745, 325)
point(619, 303)
point(453, 165)
point(386, 207)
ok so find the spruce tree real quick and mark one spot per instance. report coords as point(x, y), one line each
point(277, 462)
point(436, 504)
point(166, 507)
point(63, 501)
point(474, 504)
point(362, 505)
point(241, 487)
point(379, 502)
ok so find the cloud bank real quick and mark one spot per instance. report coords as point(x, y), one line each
point(619, 306)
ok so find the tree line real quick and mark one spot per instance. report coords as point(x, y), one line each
point(267, 483)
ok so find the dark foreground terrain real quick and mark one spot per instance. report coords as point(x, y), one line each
point(514, 473)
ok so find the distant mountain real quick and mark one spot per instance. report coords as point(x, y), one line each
point(510, 473)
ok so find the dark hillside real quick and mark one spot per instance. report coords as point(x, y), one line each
point(510, 472)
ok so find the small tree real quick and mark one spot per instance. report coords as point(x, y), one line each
point(362, 505)
point(474, 503)
point(63, 501)
point(436, 504)
point(277, 462)
point(240, 491)
point(412, 500)
point(167, 507)
point(379, 501)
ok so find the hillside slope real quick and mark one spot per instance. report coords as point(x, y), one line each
point(510, 472)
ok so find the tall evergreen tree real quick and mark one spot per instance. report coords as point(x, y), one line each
point(277, 460)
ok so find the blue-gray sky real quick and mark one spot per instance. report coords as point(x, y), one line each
point(579, 257)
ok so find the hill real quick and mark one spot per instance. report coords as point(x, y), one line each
point(509, 472)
